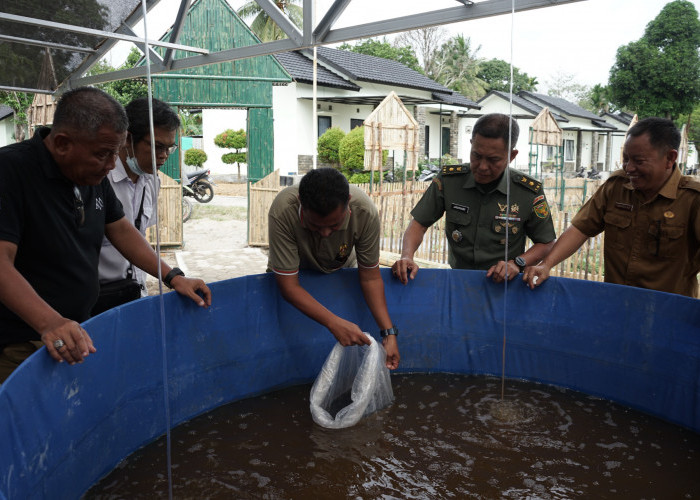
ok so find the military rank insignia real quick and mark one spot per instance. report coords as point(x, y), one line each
point(454, 169)
point(541, 209)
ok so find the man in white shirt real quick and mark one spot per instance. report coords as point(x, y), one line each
point(136, 185)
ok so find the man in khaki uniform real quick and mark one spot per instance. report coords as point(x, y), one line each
point(650, 214)
point(479, 212)
point(324, 224)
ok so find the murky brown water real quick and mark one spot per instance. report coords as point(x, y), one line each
point(445, 436)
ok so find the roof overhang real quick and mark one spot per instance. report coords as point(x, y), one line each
point(375, 100)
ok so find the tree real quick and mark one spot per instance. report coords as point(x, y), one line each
point(426, 41)
point(28, 66)
point(457, 67)
point(263, 26)
point(693, 122)
point(233, 139)
point(496, 74)
point(659, 74)
point(123, 91)
point(20, 103)
point(190, 122)
point(351, 150)
point(195, 157)
point(564, 85)
point(328, 145)
point(384, 49)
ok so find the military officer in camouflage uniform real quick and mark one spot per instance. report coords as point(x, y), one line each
point(478, 214)
point(324, 224)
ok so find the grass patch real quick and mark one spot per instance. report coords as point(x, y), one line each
point(214, 212)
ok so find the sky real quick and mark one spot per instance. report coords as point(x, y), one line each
point(578, 39)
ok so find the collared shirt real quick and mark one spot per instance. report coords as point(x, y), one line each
point(58, 234)
point(294, 247)
point(476, 221)
point(653, 244)
point(113, 266)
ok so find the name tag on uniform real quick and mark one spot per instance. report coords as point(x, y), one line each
point(503, 217)
point(461, 208)
point(624, 206)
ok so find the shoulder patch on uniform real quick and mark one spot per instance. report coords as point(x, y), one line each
point(455, 169)
point(437, 181)
point(528, 182)
point(688, 182)
point(541, 210)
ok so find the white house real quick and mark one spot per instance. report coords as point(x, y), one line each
point(349, 87)
point(588, 138)
point(7, 126)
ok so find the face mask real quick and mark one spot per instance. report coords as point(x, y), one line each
point(132, 163)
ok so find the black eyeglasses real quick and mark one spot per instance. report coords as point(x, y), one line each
point(162, 148)
point(79, 207)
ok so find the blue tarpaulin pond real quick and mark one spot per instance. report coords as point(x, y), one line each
point(63, 427)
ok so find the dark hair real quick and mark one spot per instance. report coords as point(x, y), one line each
point(495, 126)
point(87, 110)
point(663, 134)
point(324, 190)
point(139, 125)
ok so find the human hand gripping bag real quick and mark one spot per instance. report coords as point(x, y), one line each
point(354, 382)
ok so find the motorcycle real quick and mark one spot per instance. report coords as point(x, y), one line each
point(428, 173)
point(593, 173)
point(199, 186)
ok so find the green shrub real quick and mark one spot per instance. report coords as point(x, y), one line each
point(328, 145)
point(231, 139)
point(231, 158)
point(363, 178)
point(195, 157)
point(351, 151)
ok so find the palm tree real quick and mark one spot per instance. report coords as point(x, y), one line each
point(456, 66)
point(264, 27)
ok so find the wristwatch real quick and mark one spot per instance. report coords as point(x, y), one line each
point(175, 271)
point(389, 331)
point(520, 262)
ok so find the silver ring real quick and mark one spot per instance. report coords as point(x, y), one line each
point(58, 344)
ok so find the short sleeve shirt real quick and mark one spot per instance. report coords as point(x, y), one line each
point(476, 222)
point(57, 251)
point(294, 247)
point(653, 244)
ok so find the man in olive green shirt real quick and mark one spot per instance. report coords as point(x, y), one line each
point(325, 225)
point(483, 207)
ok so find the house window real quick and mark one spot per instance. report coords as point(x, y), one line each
point(569, 150)
point(427, 141)
point(551, 153)
point(324, 123)
point(355, 122)
point(445, 141)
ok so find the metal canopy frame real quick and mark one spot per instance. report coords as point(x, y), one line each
point(309, 37)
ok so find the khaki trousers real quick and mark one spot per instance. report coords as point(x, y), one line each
point(12, 355)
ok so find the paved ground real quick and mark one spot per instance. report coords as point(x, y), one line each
point(215, 250)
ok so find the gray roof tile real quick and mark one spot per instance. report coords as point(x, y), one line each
point(361, 67)
point(5, 111)
point(301, 69)
point(530, 106)
point(562, 105)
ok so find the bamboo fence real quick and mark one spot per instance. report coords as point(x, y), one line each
point(169, 214)
point(396, 201)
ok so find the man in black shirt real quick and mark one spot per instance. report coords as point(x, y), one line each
point(55, 207)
